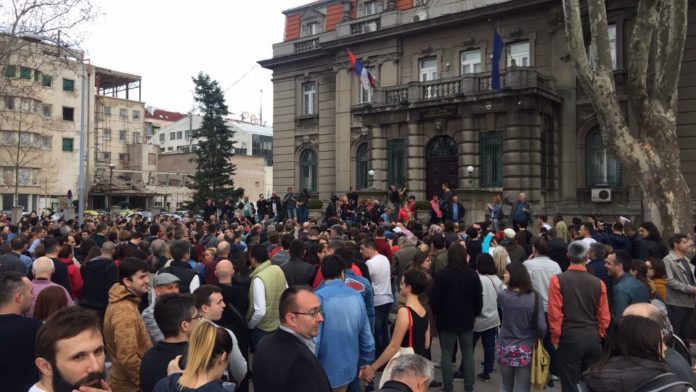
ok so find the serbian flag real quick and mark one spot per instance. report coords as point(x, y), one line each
point(367, 80)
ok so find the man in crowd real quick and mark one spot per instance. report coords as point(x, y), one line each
point(42, 269)
point(521, 210)
point(99, 275)
point(681, 288)
point(297, 271)
point(17, 370)
point(70, 352)
point(285, 360)
point(598, 267)
point(180, 267)
point(558, 249)
point(585, 233)
point(176, 315)
point(578, 314)
point(267, 284)
point(283, 256)
point(211, 305)
point(290, 203)
point(381, 283)
point(627, 289)
point(410, 373)
point(164, 283)
point(99, 236)
point(345, 341)
point(236, 298)
point(60, 274)
point(125, 334)
point(12, 261)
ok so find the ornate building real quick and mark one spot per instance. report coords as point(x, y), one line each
point(435, 116)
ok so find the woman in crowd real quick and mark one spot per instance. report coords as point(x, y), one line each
point(404, 214)
point(652, 241)
point(411, 329)
point(640, 271)
point(50, 300)
point(634, 356)
point(658, 274)
point(486, 324)
point(519, 303)
point(206, 361)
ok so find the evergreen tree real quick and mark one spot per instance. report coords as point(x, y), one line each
point(214, 169)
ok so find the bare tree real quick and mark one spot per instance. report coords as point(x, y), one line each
point(35, 41)
point(651, 151)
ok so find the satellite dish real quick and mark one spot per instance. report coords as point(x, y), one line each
point(253, 118)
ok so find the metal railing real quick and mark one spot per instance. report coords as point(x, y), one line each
point(365, 26)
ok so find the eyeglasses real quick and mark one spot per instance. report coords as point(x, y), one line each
point(198, 317)
point(313, 313)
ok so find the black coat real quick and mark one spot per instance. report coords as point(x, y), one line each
point(457, 298)
point(299, 272)
point(283, 363)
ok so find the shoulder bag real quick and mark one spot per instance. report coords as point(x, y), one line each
point(386, 375)
point(540, 357)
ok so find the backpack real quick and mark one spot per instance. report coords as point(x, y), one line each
point(663, 382)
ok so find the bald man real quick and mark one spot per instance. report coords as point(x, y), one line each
point(43, 269)
point(674, 362)
point(236, 299)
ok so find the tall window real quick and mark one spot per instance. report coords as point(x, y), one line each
point(107, 134)
point(161, 137)
point(491, 159)
point(518, 54)
point(136, 137)
point(361, 167)
point(471, 61)
point(309, 98)
point(428, 69)
point(611, 31)
point(372, 7)
point(396, 162)
point(308, 170)
point(603, 169)
point(310, 28)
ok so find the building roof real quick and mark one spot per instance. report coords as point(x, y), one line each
point(108, 78)
point(165, 115)
point(254, 129)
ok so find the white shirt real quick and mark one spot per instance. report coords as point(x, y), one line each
point(258, 293)
point(588, 241)
point(35, 388)
point(541, 269)
point(236, 364)
point(380, 274)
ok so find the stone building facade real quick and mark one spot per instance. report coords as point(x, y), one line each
point(435, 116)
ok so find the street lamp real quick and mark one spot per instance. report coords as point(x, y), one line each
point(371, 178)
point(111, 176)
point(470, 171)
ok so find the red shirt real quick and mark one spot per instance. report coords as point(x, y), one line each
point(320, 278)
point(555, 310)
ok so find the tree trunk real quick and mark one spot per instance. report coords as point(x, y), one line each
point(652, 156)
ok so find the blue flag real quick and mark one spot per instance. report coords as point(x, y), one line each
point(498, 45)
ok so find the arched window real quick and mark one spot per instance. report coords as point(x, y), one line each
point(603, 169)
point(361, 168)
point(308, 170)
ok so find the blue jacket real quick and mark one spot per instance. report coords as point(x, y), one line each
point(345, 341)
point(362, 286)
point(618, 242)
point(598, 269)
point(627, 291)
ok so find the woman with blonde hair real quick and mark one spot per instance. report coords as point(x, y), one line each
point(206, 360)
point(501, 259)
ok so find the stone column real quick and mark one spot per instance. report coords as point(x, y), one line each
point(378, 157)
point(415, 162)
point(343, 177)
point(468, 155)
point(326, 165)
point(522, 155)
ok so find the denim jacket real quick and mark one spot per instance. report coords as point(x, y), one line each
point(364, 287)
point(344, 341)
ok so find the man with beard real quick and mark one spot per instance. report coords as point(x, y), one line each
point(17, 372)
point(70, 353)
point(125, 333)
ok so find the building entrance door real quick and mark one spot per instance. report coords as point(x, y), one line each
point(442, 165)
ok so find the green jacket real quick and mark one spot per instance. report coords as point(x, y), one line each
point(274, 283)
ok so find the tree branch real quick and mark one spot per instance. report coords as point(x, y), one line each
point(600, 36)
point(671, 36)
point(641, 39)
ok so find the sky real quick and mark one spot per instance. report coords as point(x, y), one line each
point(168, 42)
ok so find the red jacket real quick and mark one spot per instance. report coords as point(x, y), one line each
point(384, 248)
point(75, 277)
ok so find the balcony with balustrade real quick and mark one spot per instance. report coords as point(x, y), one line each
point(464, 88)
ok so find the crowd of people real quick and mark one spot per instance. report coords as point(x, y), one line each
point(259, 295)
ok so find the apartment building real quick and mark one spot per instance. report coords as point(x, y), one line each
point(435, 117)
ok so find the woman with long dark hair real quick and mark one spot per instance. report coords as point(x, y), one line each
point(519, 303)
point(634, 356)
point(652, 241)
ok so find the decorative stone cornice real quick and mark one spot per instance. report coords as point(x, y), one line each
point(304, 141)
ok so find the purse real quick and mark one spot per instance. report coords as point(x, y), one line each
point(386, 374)
point(540, 357)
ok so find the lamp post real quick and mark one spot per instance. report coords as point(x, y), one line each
point(111, 176)
point(370, 178)
point(470, 171)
